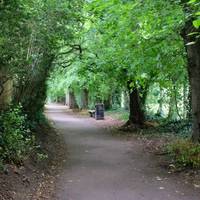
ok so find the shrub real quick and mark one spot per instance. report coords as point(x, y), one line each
point(185, 153)
point(16, 141)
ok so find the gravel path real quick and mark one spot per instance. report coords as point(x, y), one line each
point(104, 167)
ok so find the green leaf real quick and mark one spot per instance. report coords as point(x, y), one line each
point(192, 1)
point(196, 23)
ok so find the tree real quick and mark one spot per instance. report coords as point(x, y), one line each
point(127, 44)
point(33, 32)
point(190, 34)
point(135, 49)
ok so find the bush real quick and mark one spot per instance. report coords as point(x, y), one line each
point(16, 141)
point(185, 153)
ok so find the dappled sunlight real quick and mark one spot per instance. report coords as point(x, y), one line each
point(58, 111)
point(54, 107)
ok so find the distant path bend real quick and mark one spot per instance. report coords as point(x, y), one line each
point(105, 167)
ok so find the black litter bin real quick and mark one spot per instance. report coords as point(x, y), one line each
point(99, 111)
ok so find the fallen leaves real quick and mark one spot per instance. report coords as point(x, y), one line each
point(196, 186)
point(158, 178)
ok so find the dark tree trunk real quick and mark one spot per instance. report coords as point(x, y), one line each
point(136, 115)
point(189, 105)
point(193, 54)
point(72, 101)
point(85, 99)
point(108, 103)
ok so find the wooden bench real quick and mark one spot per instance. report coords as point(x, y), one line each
point(92, 113)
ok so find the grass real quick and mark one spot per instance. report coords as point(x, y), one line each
point(119, 114)
point(184, 153)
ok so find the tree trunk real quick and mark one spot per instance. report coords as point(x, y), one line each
point(193, 54)
point(186, 101)
point(172, 115)
point(189, 105)
point(108, 102)
point(6, 89)
point(124, 100)
point(85, 99)
point(136, 115)
point(72, 100)
point(160, 102)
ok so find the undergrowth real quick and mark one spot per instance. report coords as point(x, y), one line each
point(184, 153)
point(16, 140)
point(119, 114)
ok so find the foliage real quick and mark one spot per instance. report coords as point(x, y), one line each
point(195, 6)
point(16, 141)
point(185, 153)
point(137, 47)
point(124, 41)
point(32, 34)
point(181, 128)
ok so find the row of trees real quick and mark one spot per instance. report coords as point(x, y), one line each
point(32, 33)
point(100, 48)
point(131, 46)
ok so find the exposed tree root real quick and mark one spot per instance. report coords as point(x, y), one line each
point(131, 126)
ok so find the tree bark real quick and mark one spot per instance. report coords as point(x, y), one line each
point(6, 89)
point(189, 105)
point(136, 115)
point(187, 110)
point(108, 102)
point(192, 44)
point(172, 114)
point(85, 99)
point(124, 100)
point(160, 102)
point(72, 101)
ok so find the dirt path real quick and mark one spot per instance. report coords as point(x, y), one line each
point(105, 167)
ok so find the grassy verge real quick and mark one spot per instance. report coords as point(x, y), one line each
point(118, 114)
